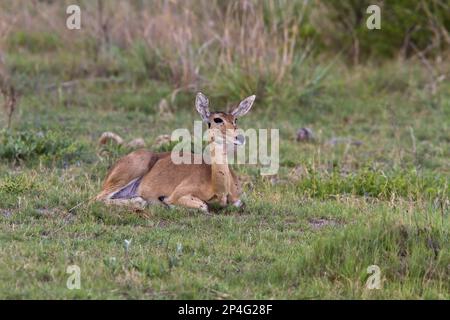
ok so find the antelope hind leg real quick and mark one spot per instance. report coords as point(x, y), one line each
point(235, 192)
point(135, 203)
point(187, 201)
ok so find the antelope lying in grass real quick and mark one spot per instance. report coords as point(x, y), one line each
point(143, 177)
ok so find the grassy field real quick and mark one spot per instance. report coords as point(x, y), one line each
point(371, 188)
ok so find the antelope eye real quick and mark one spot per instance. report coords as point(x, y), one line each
point(218, 120)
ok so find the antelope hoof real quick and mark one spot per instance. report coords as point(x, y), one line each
point(163, 201)
point(204, 208)
point(139, 203)
point(239, 205)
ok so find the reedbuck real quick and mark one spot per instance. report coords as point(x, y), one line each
point(143, 177)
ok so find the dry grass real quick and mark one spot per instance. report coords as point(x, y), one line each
point(254, 36)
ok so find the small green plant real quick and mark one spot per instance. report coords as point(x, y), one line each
point(33, 42)
point(16, 184)
point(40, 145)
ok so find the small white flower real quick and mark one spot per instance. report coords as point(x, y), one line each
point(179, 248)
point(127, 244)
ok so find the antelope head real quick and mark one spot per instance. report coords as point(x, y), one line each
point(223, 125)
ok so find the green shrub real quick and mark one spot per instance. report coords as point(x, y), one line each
point(401, 251)
point(16, 184)
point(48, 146)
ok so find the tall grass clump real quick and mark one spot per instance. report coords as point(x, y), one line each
point(411, 254)
point(48, 146)
point(410, 184)
point(230, 49)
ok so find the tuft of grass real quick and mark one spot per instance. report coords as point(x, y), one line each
point(374, 183)
point(16, 184)
point(407, 256)
point(33, 42)
point(48, 146)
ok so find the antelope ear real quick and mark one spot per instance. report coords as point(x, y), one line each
point(244, 106)
point(202, 106)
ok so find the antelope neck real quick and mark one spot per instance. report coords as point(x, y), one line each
point(219, 168)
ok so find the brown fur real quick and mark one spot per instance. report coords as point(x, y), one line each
point(188, 185)
point(129, 167)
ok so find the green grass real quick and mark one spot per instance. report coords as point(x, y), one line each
point(311, 232)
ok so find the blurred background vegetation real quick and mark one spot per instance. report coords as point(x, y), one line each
point(279, 50)
point(309, 63)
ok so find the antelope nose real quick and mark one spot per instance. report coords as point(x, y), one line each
point(240, 139)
